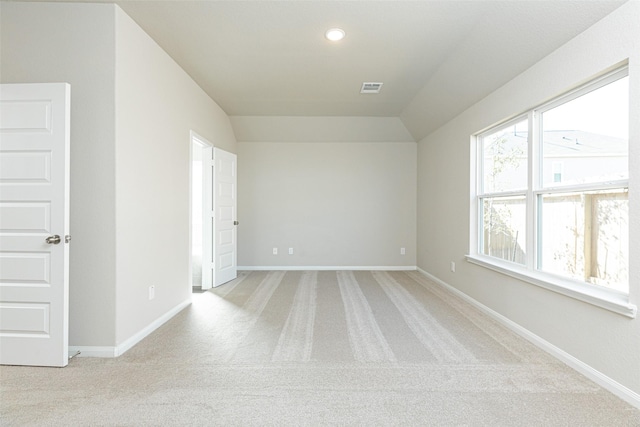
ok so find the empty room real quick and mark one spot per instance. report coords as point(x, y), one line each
point(319, 212)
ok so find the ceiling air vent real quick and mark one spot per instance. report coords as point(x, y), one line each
point(369, 87)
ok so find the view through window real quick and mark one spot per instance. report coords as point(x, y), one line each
point(552, 186)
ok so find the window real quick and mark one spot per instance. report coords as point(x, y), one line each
point(551, 190)
point(503, 191)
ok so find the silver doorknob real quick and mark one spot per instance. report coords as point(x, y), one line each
point(53, 240)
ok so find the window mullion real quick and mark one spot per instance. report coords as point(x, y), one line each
point(476, 189)
point(581, 188)
point(533, 176)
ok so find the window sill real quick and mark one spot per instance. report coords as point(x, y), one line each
point(603, 298)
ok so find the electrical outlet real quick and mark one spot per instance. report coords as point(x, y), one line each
point(402, 251)
point(152, 292)
point(290, 251)
point(453, 267)
point(275, 251)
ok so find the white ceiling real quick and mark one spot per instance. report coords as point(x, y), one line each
point(435, 58)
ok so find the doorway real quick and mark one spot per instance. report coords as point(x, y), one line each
point(213, 205)
point(201, 213)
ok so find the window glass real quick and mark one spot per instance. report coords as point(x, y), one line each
point(504, 228)
point(585, 236)
point(504, 157)
point(589, 136)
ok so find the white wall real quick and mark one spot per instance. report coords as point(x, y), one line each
point(132, 110)
point(157, 104)
point(608, 342)
point(341, 191)
point(75, 43)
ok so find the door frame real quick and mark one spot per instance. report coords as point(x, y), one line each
point(207, 238)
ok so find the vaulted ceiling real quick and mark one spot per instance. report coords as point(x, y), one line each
point(435, 58)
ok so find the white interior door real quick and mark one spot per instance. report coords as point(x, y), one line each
point(225, 216)
point(34, 224)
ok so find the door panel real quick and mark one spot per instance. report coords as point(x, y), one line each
point(25, 269)
point(25, 319)
point(34, 205)
point(29, 115)
point(25, 167)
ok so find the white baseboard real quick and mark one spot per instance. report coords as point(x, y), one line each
point(594, 375)
point(119, 350)
point(328, 268)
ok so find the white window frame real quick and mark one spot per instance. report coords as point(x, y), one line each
point(609, 299)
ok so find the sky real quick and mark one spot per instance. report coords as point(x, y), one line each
point(604, 111)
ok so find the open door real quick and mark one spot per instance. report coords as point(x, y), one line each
point(225, 216)
point(34, 224)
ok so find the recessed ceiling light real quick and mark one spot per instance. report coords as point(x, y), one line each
point(335, 34)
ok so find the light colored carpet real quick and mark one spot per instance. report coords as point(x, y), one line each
point(318, 348)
